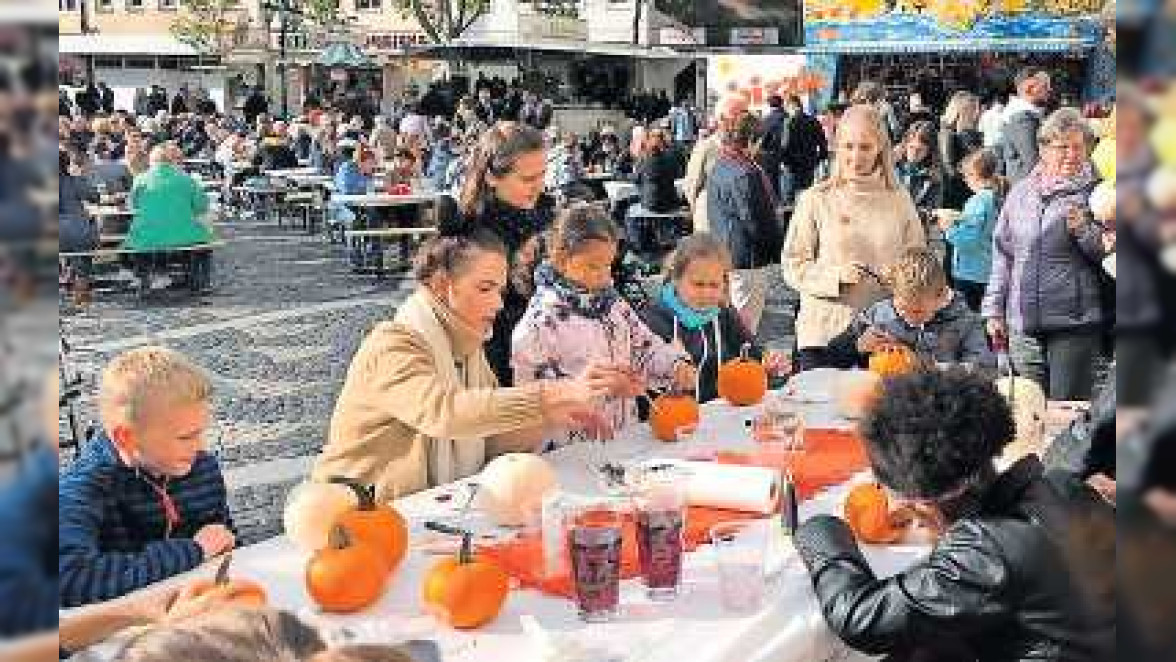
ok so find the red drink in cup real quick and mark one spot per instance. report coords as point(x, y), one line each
point(661, 500)
point(659, 547)
point(594, 544)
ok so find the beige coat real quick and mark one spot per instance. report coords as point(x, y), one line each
point(833, 227)
point(420, 405)
point(702, 161)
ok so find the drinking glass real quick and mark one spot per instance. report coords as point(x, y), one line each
point(594, 544)
point(740, 548)
point(660, 500)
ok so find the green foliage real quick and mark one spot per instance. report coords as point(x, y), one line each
point(444, 20)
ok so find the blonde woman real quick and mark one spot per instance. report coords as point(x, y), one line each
point(845, 231)
point(959, 136)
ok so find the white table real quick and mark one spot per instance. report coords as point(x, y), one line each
point(693, 628)
point(385, 199)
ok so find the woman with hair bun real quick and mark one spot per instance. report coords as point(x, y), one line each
point(420, 405)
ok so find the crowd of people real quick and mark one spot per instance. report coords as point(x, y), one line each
point(916, 229)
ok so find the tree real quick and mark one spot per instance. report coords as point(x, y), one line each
point(444, 20)
point(212, 27)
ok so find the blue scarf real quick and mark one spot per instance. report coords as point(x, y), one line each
point(593, 305)
point(691, 318)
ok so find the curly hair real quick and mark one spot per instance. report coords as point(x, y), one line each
point(932, 432)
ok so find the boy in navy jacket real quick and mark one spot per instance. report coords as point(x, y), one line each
point(144, 501)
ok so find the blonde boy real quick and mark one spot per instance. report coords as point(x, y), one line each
point(144, 501)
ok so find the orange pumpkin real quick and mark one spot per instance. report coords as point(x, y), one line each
point(894, 361)
point(743, 381)
point(381, 526)
point(222, 588)
point(347, 575)
point(463, 591)
point(867, 510)
point(671, 412)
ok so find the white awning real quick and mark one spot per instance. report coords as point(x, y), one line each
point(623, 50)
point(122, 44)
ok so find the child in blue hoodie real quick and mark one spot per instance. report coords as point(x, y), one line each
point(923, 314)
point(145, 501)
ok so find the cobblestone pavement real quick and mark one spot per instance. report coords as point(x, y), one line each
point(276, 336)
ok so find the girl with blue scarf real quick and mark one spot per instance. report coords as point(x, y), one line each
point(691, 311)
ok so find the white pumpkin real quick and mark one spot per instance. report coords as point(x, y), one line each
point(1029, 405)
point(311, 511)
point(512, 487)
point(1161, 188)
point(1102, 202)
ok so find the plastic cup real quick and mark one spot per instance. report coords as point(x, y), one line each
point(594, 546)
point(660, 501)
point(740, 548)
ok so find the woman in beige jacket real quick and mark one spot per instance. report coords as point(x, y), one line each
point(845, 232)
point(420, 406)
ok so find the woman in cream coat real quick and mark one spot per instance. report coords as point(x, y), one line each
point(420, 406)
point(845, 232)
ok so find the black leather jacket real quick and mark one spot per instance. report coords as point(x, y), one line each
point(1008, 583)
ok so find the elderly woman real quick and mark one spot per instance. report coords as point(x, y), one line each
point(168, 206)
point(421, 406)
point(1012, 575)
point(845, 232)
point(1044, 293)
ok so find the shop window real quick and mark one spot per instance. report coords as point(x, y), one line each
point(134, 5)
point(106, 62)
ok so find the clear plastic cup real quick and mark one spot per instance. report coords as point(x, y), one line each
point(594, 536)
point(740, 549)
point(660, 503)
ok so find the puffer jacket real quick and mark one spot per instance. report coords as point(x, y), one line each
point(1043, 278)
point(954, 335)
point(1016, 581)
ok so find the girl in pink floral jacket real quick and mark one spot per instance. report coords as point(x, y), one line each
point(576, 321)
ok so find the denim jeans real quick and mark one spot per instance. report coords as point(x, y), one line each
point(1063, 362)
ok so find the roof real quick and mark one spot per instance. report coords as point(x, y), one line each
point(122, 44)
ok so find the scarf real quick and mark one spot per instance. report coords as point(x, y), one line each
point(691, 318)
point(592, 305)
point(1050, 185)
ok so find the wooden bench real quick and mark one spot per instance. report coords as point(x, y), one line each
point(114, 252)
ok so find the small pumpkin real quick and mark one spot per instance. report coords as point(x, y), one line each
point(512, 487)
point(743, 381)
point(672, 411)
point(867, 511)
point(381, 526)
point(463, 591)
point(223, 588)
point(894, 361)
point(347, 575)
point(311, 509)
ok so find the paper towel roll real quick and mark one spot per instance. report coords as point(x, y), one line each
point(735, 487)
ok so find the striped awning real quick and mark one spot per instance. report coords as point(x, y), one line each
point(1060, 45)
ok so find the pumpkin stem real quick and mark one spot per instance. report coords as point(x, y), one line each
point(339, 538)
point(745, 351)
point(222, 571)
point(365, 494)
point(465, 555)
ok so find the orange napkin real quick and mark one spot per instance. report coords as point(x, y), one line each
point(830, 457)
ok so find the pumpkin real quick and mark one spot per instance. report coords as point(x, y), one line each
point(463, 591)
point(672, 411)
point(894, 361)
point(381, 526)
point(222, 588)
point(512, 487)
point(867, 510)
point(1029, 405)
point(858, 391)
point(743, 381)
point(347, 575)
point(311, 510)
